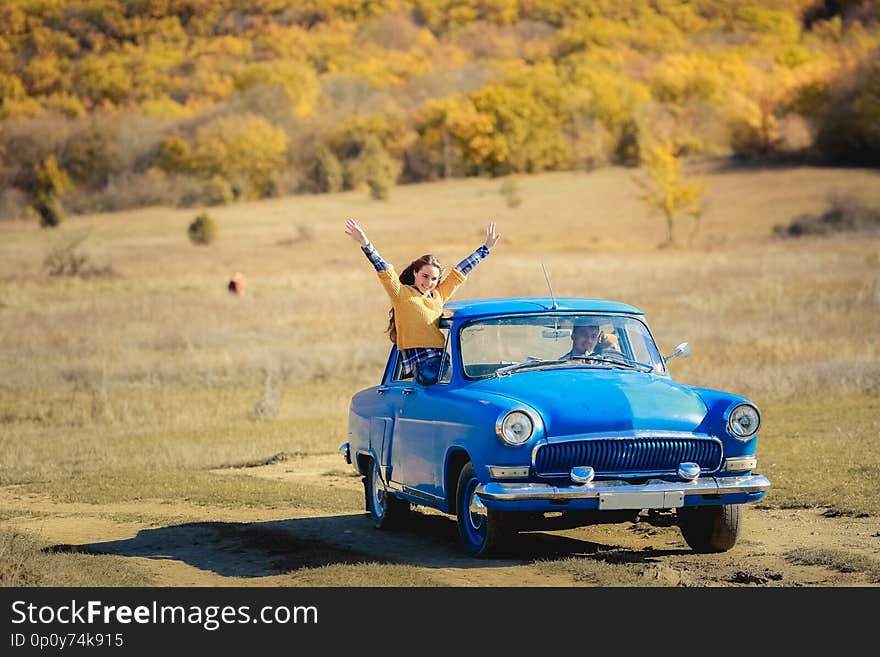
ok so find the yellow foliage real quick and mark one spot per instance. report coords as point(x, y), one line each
point(206, 83)
point(48, 41)
point(665, 188)
point(446, 15)
point(106, 77)
point(13, 17)
point(24, 108)
point(11, 88)
point(454, 134)
point(284, 42)
point(165, 107)
point(681, 77)
point(393, 68)
point(425, 39)
point(50, 178)
point(499, 12)
point(227, 45)
point(297, 78)
point(175, 155)
point(245, 150)
point(526, 120)
point(65, 104)
point(683, 15)
point(780, 25)
point(43, 76)
point(604, 94)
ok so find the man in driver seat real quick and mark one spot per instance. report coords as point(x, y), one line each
point(587, 339)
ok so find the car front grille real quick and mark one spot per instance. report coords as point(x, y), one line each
point(620, 456)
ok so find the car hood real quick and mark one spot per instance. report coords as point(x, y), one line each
point(590, 400)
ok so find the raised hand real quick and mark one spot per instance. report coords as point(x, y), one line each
point(491, 236)
point(355, 232)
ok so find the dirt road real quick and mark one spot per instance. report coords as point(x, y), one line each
point(181, 544)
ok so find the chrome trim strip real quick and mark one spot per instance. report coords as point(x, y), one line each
point(401, 488)
point(540, 443)
point(703, 486)
point(441, 422)
point(739, 464)
point(636, 433)
point(507, 471)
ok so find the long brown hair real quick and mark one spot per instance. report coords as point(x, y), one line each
point(408, 277)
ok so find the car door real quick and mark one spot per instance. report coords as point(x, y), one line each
point(405, 449)
point(418, 441)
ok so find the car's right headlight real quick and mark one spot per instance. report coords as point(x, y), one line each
point(743, 421)
point(515, 428)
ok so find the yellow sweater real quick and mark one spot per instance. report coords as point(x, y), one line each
point(416, 316)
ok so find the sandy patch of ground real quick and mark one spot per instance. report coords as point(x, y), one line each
point(183, 544)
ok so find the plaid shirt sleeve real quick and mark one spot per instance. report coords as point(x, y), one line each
point(374, 257)
point(472, 260)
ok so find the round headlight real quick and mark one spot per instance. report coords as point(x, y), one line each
point(744, 421)
point(516, 428)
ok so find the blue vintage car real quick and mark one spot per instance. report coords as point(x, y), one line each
point(522, 431)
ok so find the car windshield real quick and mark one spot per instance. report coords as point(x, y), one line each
point(505, 345)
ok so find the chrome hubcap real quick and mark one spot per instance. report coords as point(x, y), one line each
point(477, 513)
point(378, 494)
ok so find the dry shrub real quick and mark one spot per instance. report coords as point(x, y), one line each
point(509, 191)
point(269, 403)
point(19, 560)
point(327, 172)
point(203, 230)
point(845, 213)
point(69, 260)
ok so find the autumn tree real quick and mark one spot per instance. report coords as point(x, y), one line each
point(849, 122)
point(244, 150)
point(50, 183)
point(665, 188)
point(382, 169)
point(327, 171)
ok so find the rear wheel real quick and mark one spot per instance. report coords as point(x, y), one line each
point(386, 511)
point(710, 528)
point(482, 531)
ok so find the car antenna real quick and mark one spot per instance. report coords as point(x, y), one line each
point(549, 286)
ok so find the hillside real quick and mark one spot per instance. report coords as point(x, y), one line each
point(113, 104)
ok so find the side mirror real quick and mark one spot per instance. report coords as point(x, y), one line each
point(681, 351)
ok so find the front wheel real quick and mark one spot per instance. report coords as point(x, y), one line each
point(482, 531)
point(710, 528)
point(386, 511)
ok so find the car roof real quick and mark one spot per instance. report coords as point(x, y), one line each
point(524, 305)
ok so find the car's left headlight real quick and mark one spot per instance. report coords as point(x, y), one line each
point(515, 428)
point(743, 421)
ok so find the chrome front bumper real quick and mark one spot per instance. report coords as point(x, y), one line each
point(620, 494)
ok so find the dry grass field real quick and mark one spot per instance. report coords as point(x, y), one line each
point(128, 390)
